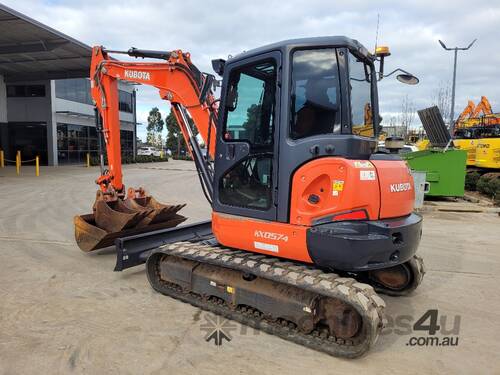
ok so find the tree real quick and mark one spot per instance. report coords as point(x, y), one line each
point(442, 99)
point(175, 140)
point(154, 128)
point(252, 123)
point(174, 136)
point(407, 114)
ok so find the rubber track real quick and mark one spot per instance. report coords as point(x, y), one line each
point(362, 297)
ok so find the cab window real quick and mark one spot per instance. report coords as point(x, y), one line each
point(250, 105)
point(315, 97)
point(360, 92)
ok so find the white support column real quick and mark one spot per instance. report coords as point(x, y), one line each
point(52, 126)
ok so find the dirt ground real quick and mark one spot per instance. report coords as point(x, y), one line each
point(64, 311)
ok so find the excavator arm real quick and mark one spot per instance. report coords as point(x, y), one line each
point(483, 107)
point(177, 81)
point(466, 113)
point(116, 212)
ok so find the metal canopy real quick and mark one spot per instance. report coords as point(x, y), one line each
point(30, 50)
point(434, 126)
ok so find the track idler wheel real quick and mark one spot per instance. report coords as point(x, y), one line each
point(394, 278)
point(398, 280)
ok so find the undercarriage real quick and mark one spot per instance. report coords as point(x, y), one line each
point(321, 310)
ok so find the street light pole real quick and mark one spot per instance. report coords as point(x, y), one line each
point(452, 112)
point(456, 49)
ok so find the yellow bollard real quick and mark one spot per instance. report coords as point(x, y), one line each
point(2, 162)
point(37, 166)
point(88, 159)
point(18, 162)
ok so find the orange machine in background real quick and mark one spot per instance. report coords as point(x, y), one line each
point(477, 130)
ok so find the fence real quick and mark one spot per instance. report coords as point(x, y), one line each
point(18, 162)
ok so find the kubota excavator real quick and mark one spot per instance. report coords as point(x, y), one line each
point(308, 220)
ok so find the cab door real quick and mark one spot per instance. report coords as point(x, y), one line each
point(246, 151)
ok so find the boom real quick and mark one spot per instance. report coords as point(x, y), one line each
point(466, 113)
point(484, 107)
point(178, 81)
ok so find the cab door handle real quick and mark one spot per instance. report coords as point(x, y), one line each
point(231, 150)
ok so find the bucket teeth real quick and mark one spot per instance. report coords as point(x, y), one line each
point(114, 218)
point(158, 212)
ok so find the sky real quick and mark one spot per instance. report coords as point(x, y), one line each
point(216, 29)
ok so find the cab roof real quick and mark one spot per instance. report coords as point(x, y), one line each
point(286, 46)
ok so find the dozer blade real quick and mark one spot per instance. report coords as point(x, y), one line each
point(157, 212)
point(90, 237)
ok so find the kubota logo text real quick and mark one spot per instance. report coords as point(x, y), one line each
point(395, 188)
point(271, 236)
point(136, 74)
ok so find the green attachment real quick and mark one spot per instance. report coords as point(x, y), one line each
point(445, 170)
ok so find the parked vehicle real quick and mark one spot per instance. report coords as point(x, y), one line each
point(148, 151)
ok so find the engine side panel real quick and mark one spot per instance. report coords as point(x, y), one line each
point(332, 185)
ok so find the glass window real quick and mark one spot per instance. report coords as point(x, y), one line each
point(315, 97)
point(62, 137)
point(75, 141)
point(26, 91)
point(74, 89)
point(250, 104)
point(125, 101)
point(361, 107)
point(126, 143)
point(248, 184)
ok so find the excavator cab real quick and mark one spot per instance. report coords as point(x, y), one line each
point(296, 159)
point(284, 106)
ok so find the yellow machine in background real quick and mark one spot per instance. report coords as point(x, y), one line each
point(469, 145)
point(488, 152)
point(422, 144)
point(477, 130)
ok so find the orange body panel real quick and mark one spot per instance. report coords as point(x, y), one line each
point(397, 190)
point(260, 236)
point(341, 185)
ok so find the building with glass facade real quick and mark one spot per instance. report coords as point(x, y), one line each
point(45, 103)
point(76, 132)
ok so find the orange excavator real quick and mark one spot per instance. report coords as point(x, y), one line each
point(466, 113)
point(477, 130)
point(308, 222)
